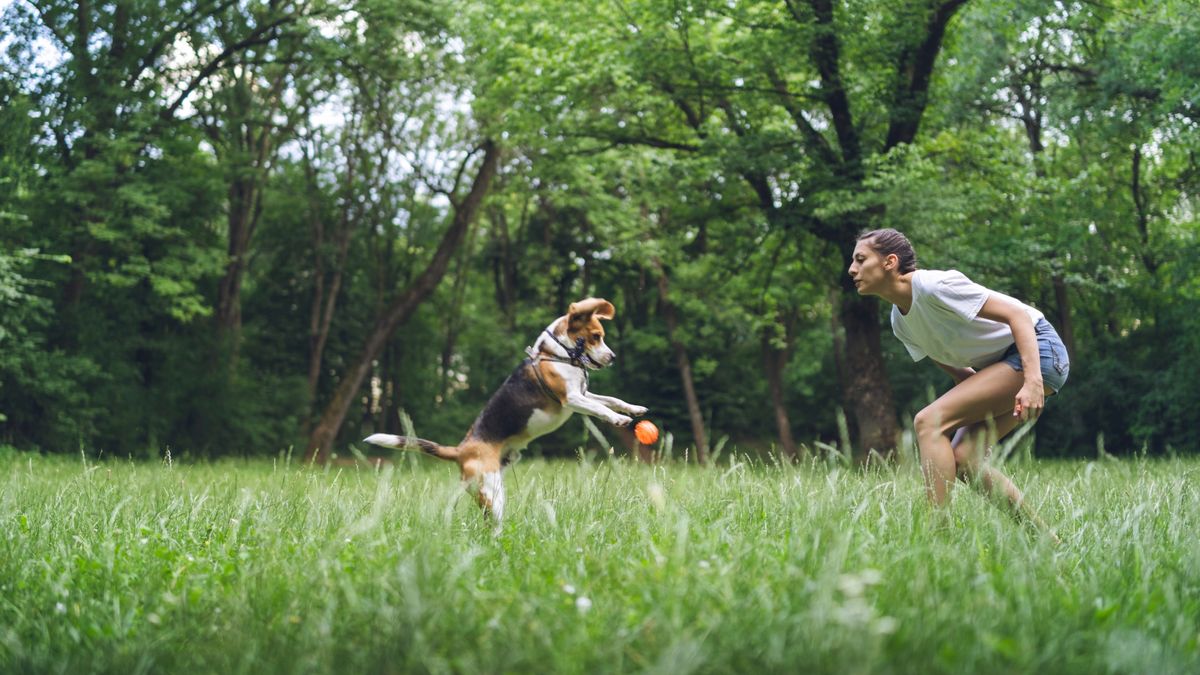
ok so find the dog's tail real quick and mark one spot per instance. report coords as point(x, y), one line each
point(413, 443)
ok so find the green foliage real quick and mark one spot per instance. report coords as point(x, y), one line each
point(1055, 161)
point(37, 382)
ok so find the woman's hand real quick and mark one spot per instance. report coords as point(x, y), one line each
point(1030, 401)
point(1032, 397)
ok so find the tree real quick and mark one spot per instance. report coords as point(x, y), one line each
point(794, 99)
point(404, 302)
point(248, 110)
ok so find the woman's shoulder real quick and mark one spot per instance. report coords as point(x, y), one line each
point(929, 281)
point(937, 276)
point(934, 280)
point(951, 291)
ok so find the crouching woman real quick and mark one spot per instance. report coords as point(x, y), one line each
point(1003, 355)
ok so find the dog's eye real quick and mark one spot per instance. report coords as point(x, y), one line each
point(596, 337)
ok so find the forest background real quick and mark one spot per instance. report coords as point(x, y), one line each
point(234, 227)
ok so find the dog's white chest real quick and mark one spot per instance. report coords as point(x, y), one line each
point(541, 422)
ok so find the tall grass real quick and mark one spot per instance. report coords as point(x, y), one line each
point(602, 566)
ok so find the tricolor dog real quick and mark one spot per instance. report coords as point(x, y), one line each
point(537, 398)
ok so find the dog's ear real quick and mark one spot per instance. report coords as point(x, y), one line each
point(583, 309)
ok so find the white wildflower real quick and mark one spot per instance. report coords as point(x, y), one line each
point(885, 625)
point(658, 497)
point(851, 585)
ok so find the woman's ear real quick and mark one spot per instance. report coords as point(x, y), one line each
point(891, 261)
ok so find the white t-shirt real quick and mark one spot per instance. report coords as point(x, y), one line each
point(943, 322)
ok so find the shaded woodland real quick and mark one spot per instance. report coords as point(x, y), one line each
point(235, 227)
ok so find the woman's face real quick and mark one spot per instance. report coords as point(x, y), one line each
point(868, 269)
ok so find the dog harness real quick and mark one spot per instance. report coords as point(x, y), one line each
point(575, 357)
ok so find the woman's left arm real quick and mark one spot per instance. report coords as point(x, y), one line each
point(1032, 397)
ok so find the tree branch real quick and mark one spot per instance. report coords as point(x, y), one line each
point(617, 139)
point(816, 142)
point(167, 38)
point(262, 35)
point(826, 55)
point(916, 69)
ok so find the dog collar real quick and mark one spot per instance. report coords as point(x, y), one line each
point(577, 357)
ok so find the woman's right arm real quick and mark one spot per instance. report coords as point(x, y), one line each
point(959, 374)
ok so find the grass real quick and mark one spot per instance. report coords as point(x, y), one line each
point(602, 566)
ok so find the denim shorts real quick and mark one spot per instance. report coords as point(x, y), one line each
point(1055, 363)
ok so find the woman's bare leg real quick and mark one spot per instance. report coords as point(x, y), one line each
point(955, 432)
point(972, 446)
point(987, 395)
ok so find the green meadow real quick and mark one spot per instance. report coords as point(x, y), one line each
point(602, 565)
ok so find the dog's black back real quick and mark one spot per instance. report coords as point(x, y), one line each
point(508, 410)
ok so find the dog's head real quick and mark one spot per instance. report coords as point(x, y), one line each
point(581, 329)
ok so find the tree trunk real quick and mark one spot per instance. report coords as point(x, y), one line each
point(243, 211)
point(504, 266)
point(390, 380)
point(1064, 315)
point(453, 316)
point(400, 310)
point(1143, 215)
point(866, 388)
point(839, 341)
point(775, 360)
point(685, 367)
point(324, 303)
point(249, 146)
point(1067, 333)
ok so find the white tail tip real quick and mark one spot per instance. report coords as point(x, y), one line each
point(386, 440)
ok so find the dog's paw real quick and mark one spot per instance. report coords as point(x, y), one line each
point(621, 420)
point(638, 410)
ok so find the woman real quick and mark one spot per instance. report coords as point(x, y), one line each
point(1004, 356)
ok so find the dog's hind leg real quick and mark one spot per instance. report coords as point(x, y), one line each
point(492, 492)
point(483, 476)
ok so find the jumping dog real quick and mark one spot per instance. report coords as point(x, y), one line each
point(537, 398)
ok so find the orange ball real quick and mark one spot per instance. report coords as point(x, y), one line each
point(646, 432)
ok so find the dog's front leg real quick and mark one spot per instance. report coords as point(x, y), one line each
point(588, 404)
point(620, 406)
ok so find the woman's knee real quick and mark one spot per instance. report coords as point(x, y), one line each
point(928, 421)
